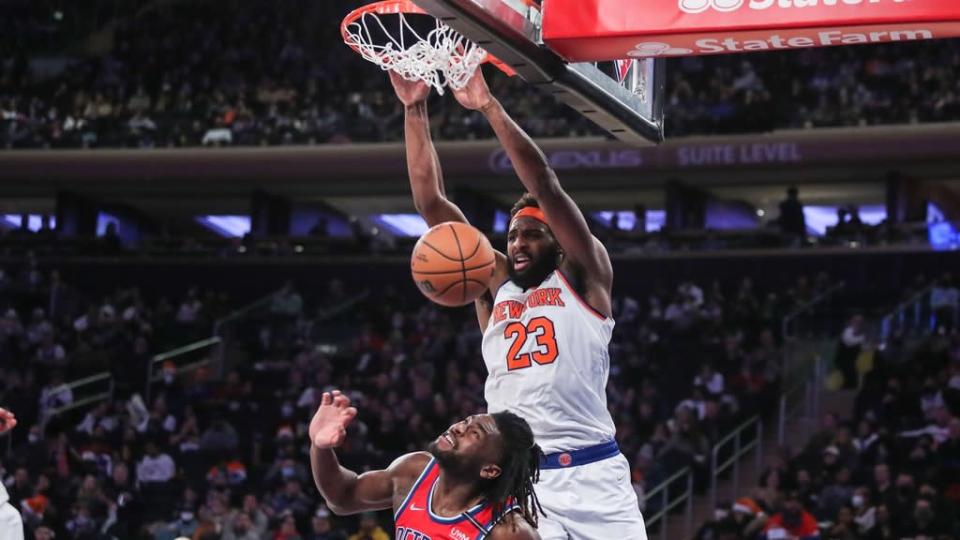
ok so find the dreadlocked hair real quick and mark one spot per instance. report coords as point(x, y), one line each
point(526, 200)
point(520, 469)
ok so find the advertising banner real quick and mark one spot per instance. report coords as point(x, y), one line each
point(594, 30)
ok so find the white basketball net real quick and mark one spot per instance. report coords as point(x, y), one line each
point(442, 58)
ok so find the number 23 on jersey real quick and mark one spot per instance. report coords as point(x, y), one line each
point(541, 329)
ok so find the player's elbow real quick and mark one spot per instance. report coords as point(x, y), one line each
point(422, 203)
point(430, 206)
point(340, 509)
point(342, 506)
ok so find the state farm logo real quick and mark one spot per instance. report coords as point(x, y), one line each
point(650, 49)
point(699, 6)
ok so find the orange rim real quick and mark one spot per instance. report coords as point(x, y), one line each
point(406, 7)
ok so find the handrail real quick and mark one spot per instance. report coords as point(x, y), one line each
point(739, 450)
point(189, 347)
point(900, 309)
point(160, 358)
point(80, 382)
point(913, 298)
point(343, 306)
point(240, 312)
point(811, 401)
point(101, 396)
point(733, 433)
point(806, 306)
point(666, 505)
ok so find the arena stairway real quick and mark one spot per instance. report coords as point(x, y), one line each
point(798, 432)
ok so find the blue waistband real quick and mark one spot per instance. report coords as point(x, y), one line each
point(574, 458)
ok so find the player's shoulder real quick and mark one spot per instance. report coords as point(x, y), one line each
point(513, 527)
point(409, 466)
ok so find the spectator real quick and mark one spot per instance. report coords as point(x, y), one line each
point(710, 380)
point(369, 529)
point(322, 527)
point(124, 500)
point(884, 528)
point(154, 475)
point(792, 220)
point(923, 521)
point(291, 498)
point(944, 301)
point(748, 518)
point(865, 515)
point(721, 526)
point(835, 496)
point(844, 528)
point(240, 528)
point(288, 528)
point(848, 350)
point(220, 437)
point(286, 468)
point(792, 522)
point(185, 524)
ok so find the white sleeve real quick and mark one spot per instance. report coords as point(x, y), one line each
point(850, 339)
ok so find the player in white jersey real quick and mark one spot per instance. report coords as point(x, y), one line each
point(547, 325)
point(11, 526)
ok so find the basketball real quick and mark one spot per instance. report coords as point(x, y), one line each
point(452, 264)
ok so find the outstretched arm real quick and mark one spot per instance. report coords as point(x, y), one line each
point(345, 491)
point(566, 221)
point(426, 178)
point(7, 420)
point(423, 165)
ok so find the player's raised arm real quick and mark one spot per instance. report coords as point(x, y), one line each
point(7, 421)
point(565, 219)
point(423, 165)
point(345, 491)
point(426, 176)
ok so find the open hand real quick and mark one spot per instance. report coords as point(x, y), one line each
point(7, 420)
point(409, 92)
point(328, 429)
point(476, 94)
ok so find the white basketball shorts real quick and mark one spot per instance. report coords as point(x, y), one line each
point(595, 501)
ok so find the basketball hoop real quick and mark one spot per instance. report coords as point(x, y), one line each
point(440, 57)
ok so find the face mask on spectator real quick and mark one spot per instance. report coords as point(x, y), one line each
point(858, 501)
point(33, 439)
point(287, 472)
point(186, 516)
point(720, 514)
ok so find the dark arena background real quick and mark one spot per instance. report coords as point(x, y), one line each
point(206, 223)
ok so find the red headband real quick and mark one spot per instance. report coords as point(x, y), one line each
point(531, 212)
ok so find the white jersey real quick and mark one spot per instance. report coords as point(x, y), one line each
point(547, 360)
